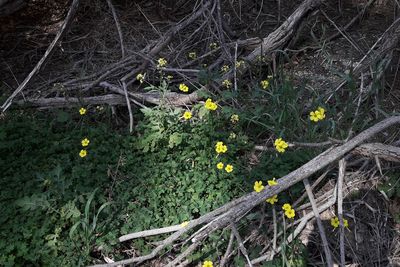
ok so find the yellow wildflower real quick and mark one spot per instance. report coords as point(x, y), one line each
point(213, 46)
point(184, 224)
point(258, 186)
point(272, 200)
point(83, 153)
point(317, 115)
point(162, 62)
point(280, 145)
point(234, 118)
point(229, 168)
point(192, 55)
point(227, 84)
point(225, 68)
point(290, 213)
point(220, 166)
point(85, 142)
point(220, 147)
point(210, 105)
point(82, 111)
point(239, 64)
point(264, 84)
point(183, 87)
point(207, 264)
point(187, 115)
point(272, 182)
point(286, 206)
point(140, 77)
point(335, 222)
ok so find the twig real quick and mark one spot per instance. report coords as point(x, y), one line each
point(303, 222)
point(236, 209)
point(274, 221)
point(321, 229)
point(342, 33)
point(60, 33)
point(129, 107)
point(240, 243)
point(121, 39)
point(342, 170)
point(228, 251)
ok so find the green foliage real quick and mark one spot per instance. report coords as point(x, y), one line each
point(178, 179)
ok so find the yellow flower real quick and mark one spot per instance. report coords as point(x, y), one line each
point(213, 46)
point(207, 264)
point(232, 136)
point(317, 115)
point(225, 68)
point(220, 166)
point(183, 87)
point(313, 116)
point(184, 224)
point(229, 168)
point(321, 113)
point(258, 187)
point(272, 182)
point(192, 55)
point(335, 222)
point(264, 84)
point(239, 64)
point(140, 77)
point(162, 62)
point(83, 153)
point(85, 142)
point(234, 118)
point(286, 206)
point(290, 213)
point(210, 105)
point(280, 145)
point(82, 111)
point(187, 115)
point(220, 147)
point(227, 84)
point(272, 200)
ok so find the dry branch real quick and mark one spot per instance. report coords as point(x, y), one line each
point(386, 152)
point(60, 33)
point(237, 208)
point(64, 102)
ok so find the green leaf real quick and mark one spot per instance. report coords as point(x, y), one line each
point(175, 139)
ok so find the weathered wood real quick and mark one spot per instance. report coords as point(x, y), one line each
point(385, 152)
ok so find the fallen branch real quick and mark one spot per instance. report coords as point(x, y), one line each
point(236, 209)
point(64, 27)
